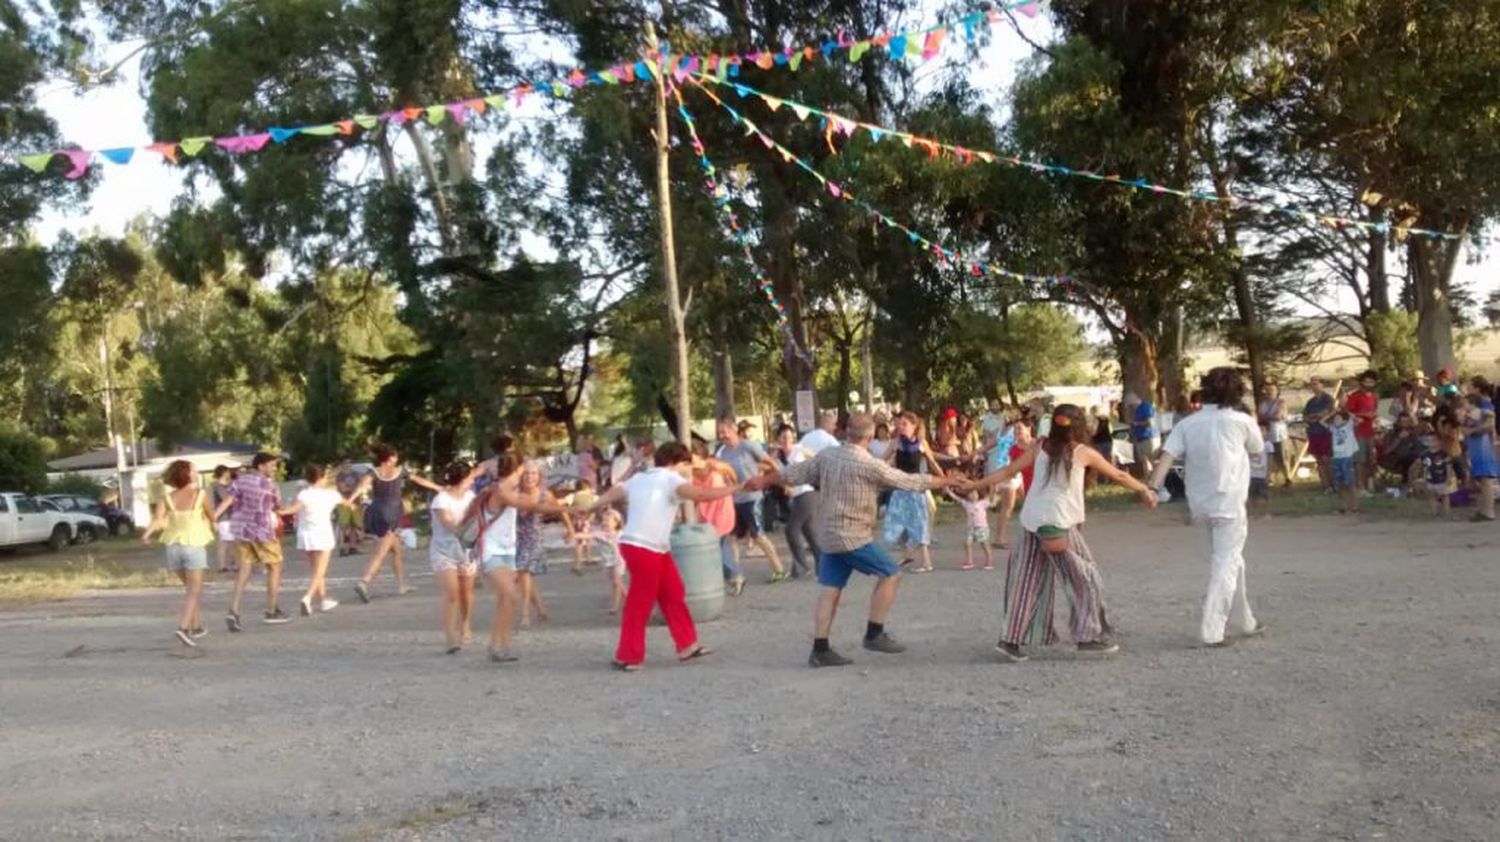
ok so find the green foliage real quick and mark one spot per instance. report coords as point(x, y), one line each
point(23, 460)
point(75, 484)
point(1394, 336)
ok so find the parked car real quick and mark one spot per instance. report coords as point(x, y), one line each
point(25, 520)
point(119, 521)
point(82, 526)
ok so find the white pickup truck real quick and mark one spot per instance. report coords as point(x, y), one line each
point(27, 520)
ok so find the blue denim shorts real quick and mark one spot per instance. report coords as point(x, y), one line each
point(498, 561)
point(1343, 472)
point(834, 569)
point(183, 557)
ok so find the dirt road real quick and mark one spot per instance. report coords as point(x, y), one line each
point(1371, 709)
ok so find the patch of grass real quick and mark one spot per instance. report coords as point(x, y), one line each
point(1302, 500)
point(41, 579)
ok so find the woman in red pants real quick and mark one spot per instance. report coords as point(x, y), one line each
point(651, 499)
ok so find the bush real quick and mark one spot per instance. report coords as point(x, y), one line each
point(23, 461)
point(76, 484)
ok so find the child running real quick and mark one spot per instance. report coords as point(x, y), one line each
point(314, 507)
point(1052, 547)
point(451, 564)
point(976, 505)
point(185, 521)
point(1216, 444)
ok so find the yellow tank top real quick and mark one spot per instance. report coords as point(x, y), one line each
point(187, 527)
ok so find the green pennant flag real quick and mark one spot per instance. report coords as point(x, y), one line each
point(37, 162)
point(559, 90)
point(800, 109)
point(857, 50)
point(795, 61)
point(194, 145)
point(609, 77)
point(366, 121)
point(436, 113)
point(321, 131)
point(495, 101)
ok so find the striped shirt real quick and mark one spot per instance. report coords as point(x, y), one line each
point(850, 480)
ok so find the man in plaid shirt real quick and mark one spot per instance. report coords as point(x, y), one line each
point(252, 501)
point(850, 481)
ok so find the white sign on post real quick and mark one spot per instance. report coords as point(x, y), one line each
point(805, 419)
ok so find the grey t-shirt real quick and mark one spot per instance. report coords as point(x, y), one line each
point(745, 458)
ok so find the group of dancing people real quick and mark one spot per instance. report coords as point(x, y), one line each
point(481, 516)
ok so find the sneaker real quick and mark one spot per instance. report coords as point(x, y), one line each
point(884, 643)
point(276, 618)
point(968, 565)
point(737, 586)
point(454, 649)
point(1099, 647)
point(305, 605)
point(364, 592)
point(1258, 631)
point(186, 639)
point(233, 621)
point(989, 567)
point(827, 658)
point(776, 577)
point(328, 605)
point(1011, 652)
point(502, 656)
point(199, 632)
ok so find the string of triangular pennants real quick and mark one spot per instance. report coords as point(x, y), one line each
point(922, 44)
point(838, 125)
point(719, 192)
point(948, 257)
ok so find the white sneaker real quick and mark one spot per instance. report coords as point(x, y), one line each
point(328, 605)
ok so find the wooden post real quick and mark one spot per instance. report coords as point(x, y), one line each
point(676, 317)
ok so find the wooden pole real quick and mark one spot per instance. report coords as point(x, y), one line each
point(676, 317)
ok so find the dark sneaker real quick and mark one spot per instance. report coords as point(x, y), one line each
point(827, 658)
point(364, 592)
point(884, 643)
point(276, 618)
point(1099, 647)
point(199, 632)
point(186, 638)
point(1011, 652)
point(502, 656)
point(232, 620)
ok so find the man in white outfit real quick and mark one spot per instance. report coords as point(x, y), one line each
point(1216, 444)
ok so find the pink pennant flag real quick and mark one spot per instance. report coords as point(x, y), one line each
point(1030, 10)
point(459, 112)
point(834, 190)
point(80, 159)
point(577, 79)
point(934, 44)
point(240, 144)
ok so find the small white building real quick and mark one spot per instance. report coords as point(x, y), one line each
point(138, 468)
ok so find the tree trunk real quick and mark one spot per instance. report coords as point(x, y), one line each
point(846, 374)
point(1379, 284)
point(914, 392)
point(1431, 264)
point(1138, 366)
point(1244, 301)
point(723, 384)
point(867, 359)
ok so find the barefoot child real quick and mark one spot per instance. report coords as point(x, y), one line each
point(1052, 548)
point(608, 524)
point(976, 505)
point(185, 521)
point(1345, 449)
point(1438, 473)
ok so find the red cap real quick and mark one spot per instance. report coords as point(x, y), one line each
point(950, 412)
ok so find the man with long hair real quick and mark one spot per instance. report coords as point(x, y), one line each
point(1217, 444)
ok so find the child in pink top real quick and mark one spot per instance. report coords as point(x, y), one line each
point(977, 511)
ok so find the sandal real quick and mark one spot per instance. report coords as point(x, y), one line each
point(698, 652)
point(925, 569)
point(624, 667)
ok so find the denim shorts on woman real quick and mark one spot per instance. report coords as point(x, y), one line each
point(183, 557)
point(498, 561)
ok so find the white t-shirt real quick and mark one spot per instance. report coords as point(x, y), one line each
point(318, 504)
point(879, 448)
point(817, 441)
point(1345, 445)
point(446, 502)
point(1215, 445)
point(651, 509)
point(799, 455)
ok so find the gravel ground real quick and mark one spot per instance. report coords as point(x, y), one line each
point(1370, 710)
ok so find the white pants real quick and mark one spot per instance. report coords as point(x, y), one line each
point(1226, 606)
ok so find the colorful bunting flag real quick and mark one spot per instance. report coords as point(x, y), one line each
point(121, 155)
point(36, 163)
